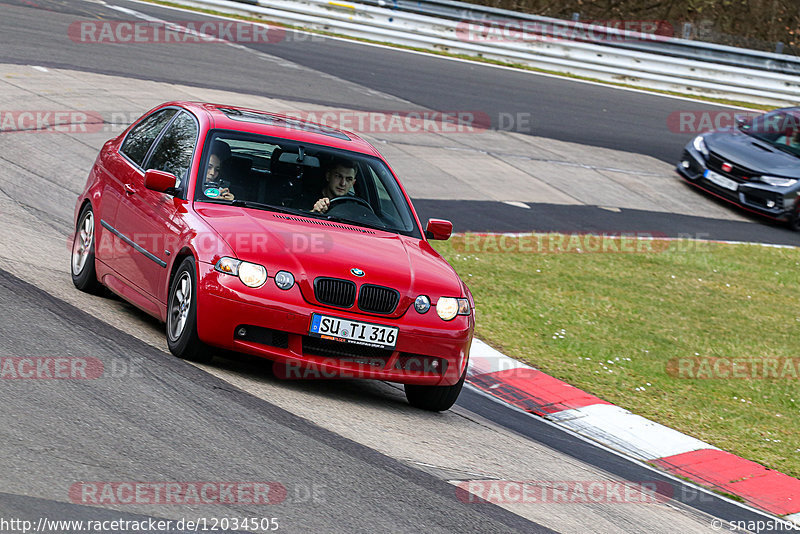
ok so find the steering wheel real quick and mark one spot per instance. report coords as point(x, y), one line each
point(350, 198)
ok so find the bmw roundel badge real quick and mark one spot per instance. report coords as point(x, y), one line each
point(356, 271)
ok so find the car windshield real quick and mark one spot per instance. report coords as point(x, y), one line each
point(311, 180)
point(780, 129)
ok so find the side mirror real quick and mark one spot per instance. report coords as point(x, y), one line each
point(438, 229)
point(160, 181)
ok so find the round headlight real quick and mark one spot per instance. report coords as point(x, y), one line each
point(284, 280)
point(447, 308)
point(422, 304)
point(252, 274)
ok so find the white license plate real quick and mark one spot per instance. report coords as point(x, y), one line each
point(720, 180)
point(345, 330)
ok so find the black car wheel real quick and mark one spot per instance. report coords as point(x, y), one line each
point(84, 275)
point(182, 336)
point(435, 398)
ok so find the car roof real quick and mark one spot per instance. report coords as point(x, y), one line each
point(276, 125)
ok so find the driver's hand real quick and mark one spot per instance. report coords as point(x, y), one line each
point(225, 194)
point(322, 205)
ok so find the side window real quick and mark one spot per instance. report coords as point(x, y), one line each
point(143, 134)
point(174, 151)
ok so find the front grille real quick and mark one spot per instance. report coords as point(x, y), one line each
point(264, 336)
point(737, 172)
point(375, 357)
point(335, 292)
point(377, 299)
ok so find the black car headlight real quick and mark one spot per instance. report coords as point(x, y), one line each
point(699, 144)
point(778, 181)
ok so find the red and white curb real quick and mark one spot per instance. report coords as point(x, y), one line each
point(535, 392)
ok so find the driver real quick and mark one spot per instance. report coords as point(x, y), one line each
point(339, 180)
point(220, 153)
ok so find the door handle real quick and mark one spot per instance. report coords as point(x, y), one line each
point(129, 189)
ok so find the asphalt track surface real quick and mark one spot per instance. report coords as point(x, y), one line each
point(172, 421)
point(335, 73)
point(559, 108)
point(160, 419)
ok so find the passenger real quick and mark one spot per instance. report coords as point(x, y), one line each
point(339, 181)
point(220, 153)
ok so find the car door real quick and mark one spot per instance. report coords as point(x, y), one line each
point(152, 221)
point(122, 169)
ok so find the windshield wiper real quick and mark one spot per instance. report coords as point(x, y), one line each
point(261, 206)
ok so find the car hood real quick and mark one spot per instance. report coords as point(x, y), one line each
point(312, 248)
point(747, 151)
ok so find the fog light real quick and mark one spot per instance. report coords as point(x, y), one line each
point(241, 332)
point(685, 164)
point(770, 203)
point(284, 280)
point(422, 304)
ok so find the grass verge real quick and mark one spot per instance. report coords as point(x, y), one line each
point(693, 335)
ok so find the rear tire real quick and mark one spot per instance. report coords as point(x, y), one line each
point(82, 266)
point(182, 337)
point(434, 398)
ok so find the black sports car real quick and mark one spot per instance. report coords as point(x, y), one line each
point(755, 165)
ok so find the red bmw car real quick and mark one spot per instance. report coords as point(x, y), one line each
point(253, 232)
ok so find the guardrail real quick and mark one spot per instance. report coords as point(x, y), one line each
point(769, 84)
point(666, 45)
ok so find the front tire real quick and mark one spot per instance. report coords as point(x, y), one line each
point(434, 398)
point(182, 337)
point(82, 266)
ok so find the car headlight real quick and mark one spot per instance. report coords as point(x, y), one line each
point(700, 145)
point(284, 280)
point(422, 304)
point(251, 274)
point(778, 181)
point(448, 308)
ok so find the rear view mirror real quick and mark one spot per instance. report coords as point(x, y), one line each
point(438, 229)
point(160, 181)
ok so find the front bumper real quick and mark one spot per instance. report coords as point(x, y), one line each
point(770, 201)
point(274, 324)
